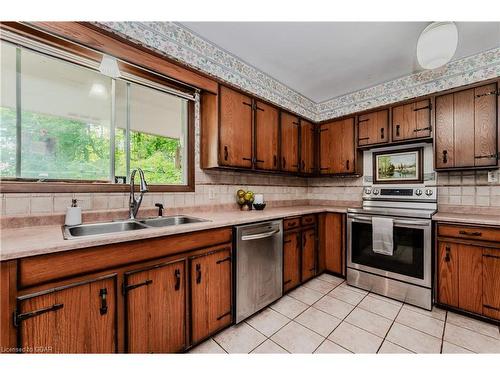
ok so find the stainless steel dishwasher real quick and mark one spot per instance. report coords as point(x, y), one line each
point(258, 266)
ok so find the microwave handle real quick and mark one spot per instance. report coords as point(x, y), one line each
point(368, 219)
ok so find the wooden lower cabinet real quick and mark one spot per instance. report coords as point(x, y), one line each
point(468, 273)
point(74, 318)
point(331, 243)
point(210, 278)
point(291, 261)
point(156, 308)
point(308, 266)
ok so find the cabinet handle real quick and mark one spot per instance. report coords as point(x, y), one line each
point(198, 273)
point(275, 160)
point(447, 255)
point(20, 317)
point(103, 294)
point(247, 159)
point(465, 233)
point(363, 138)
point(259, 161)
point(397, 130)
point(177, 275)
point(303, 165)
point(445, 156)
point(347, 164)
point(381, 133)
point(228, 259)
point(226, 153)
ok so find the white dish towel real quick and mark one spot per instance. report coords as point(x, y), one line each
point(382, 229)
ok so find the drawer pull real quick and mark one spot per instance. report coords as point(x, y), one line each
point(465, 233)
point(103, 294)
point(363, 139)
point(177, 275)
point(397, 130)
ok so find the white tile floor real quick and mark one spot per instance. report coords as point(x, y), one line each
point(325, 315)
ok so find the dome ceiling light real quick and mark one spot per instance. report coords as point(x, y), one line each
point(437, 44)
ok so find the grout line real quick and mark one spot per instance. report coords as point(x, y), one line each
point(219, 345)
point(444, 330)
point(390, 327)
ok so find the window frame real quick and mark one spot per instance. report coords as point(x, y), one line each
point(131, 71)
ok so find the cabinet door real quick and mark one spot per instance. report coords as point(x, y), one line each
point(373, 128)
point(78, 318)
point(210, 293)
point(306, 147)
point(308, 254)
point(332, 242)
point(491, 283)
point(444, 144)
point(289, 142)
point(266, 137)
point(235, 132)
point(337, 147)
point(412, 120)
point(470, 278)
point(156, 309)
point(448, 273)
point(291, 260)
point(463, 139)
point(485, 125)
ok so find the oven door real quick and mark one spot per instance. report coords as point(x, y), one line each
point(411, 260)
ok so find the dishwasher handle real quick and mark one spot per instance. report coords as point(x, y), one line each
point(259, 236)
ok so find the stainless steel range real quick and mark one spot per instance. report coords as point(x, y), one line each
point(399, 218)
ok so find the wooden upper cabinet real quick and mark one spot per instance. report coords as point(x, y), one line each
point(78, 318)
point(291, 260)
point(210, 292)
point(373, 128)
point(235, 129)
point(306, 147)
point(266, 137)
point(156, 308)
point(491, 283)
point(412, 120)
point(466, 128)
point(337, 148)
point(289, 142)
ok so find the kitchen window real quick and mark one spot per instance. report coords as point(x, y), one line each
point(63, 122)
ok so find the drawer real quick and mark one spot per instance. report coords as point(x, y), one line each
point(291, 223)
point(308, 219)
point(470, 233)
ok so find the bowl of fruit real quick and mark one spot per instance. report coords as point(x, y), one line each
point(244, 199)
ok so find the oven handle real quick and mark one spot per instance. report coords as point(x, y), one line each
point(368, 219)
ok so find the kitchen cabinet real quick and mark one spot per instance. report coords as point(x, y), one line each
point(300, 255)
point(291, 261)
point(411, 120)
point(235, 128)
point(337, 148)
point(266, 137)
point(467, 128)
point(72, 318)
point(211, 291)
point(156, 308)
point(331, 235)
point(307, 139)
point(373, 128)
point(289, 142)
point(308, 265)
point(468, 268)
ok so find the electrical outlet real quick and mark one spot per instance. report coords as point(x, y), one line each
point(492, 176)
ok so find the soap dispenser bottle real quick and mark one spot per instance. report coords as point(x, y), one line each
point(73, 214)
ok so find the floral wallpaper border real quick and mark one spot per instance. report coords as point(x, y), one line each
point(181, 44)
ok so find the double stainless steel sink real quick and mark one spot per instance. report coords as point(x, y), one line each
point(96, 229)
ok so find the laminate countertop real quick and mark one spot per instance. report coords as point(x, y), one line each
point(30, 241)
point(466, 218)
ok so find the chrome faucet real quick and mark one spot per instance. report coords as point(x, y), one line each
point(134, 203)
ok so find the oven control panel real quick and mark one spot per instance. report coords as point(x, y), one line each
point(401, 193)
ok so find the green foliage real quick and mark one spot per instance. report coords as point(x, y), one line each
point(61, 148)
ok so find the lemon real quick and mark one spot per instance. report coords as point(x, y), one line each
point(241, 200)
point(248, 196)
point(240, 193)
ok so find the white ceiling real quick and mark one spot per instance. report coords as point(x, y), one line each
point(323, 60)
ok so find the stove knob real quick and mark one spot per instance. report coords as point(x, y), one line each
point(428, 192)
point(368, 191)
point(375, 191)
point(418, 192)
